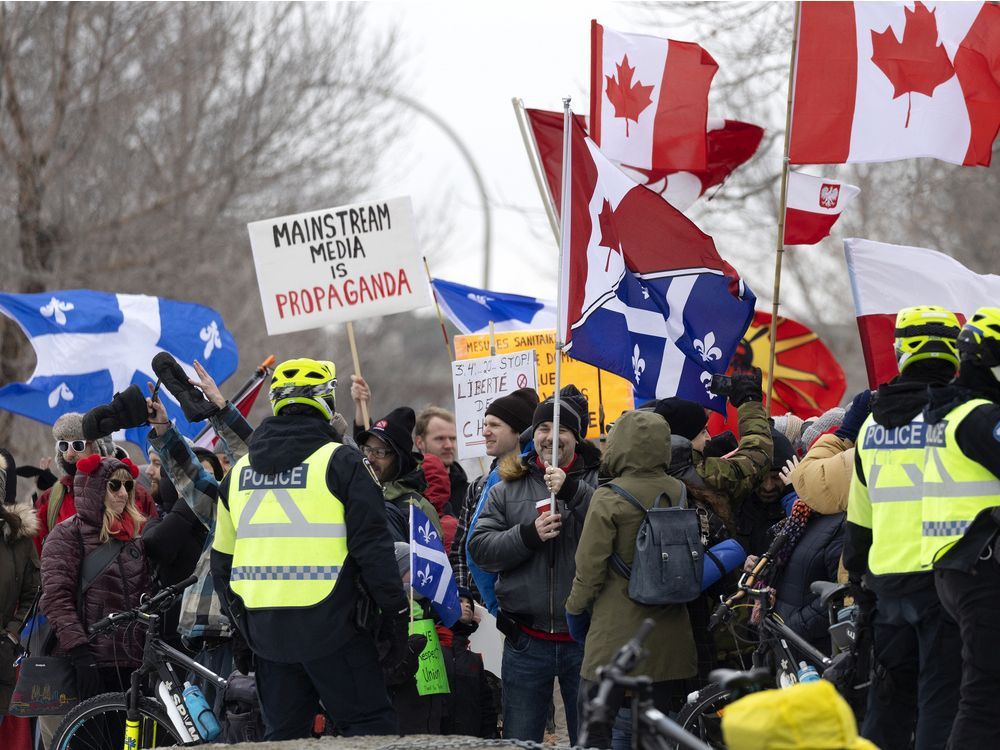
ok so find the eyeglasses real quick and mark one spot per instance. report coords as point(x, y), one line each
point(77, 445)
point(377, 452)
point(116, 484)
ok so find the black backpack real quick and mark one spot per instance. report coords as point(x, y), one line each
point(242, 720)
point(669, 552)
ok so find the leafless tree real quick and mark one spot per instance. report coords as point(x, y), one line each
point(137, 139)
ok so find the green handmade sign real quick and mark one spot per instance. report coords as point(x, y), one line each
point(431, 676)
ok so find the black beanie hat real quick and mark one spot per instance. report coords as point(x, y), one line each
point(574, 412)
point(783, 449)
point(515, 409)
point(396, 429)
point(686, 418)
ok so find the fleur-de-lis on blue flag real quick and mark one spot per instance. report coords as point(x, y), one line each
point(433, 577)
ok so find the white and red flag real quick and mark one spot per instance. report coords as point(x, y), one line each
point(881, 81)
point(649, 99)
point(647, 295)
point(813, 206)
point(886, 278)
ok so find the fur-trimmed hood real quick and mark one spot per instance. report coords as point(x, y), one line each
point(28, 526)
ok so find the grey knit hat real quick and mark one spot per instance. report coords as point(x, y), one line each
point(823, 424)
point(790, 426)
point(70, 427)
point(402, 550)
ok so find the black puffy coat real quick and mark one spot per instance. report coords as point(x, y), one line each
point(117, 588)
point(469, 709)
point(815, 558)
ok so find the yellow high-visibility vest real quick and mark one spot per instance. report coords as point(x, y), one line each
point(286, 533)
point(956, 488)
point(890, 505)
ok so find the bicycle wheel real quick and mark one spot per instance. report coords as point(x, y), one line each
point(702, 717)
point(99, 724)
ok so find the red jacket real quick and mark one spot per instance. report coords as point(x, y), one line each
point(116, 589)
point(439, 493)
point(143, 501)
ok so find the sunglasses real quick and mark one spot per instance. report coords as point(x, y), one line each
point(116, 484)
point(377, 452)
point(77, 445)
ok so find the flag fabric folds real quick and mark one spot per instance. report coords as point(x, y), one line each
point(90, 345)
point(813, 206)
point(430, 572)
point(886, 278)
point(648, 296)
point(649, 99)
point(883, 81)
point(471, 309)
point(731, 143)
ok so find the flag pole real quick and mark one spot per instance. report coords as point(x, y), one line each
point(780, 246)
point(531, 148)
point(564, 239)
point(437, 306)
point(493, 340)
point(412, 572)
point(357, 369)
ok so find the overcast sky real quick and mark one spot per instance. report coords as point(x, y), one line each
point(465, 62)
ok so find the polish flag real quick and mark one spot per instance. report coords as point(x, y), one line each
point(813, 206)
point(649, 99)
point(886, 278)
point(883, 81)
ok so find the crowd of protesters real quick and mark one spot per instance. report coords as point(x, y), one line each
point(894, 495)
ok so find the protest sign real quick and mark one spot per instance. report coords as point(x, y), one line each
point(337, 265)
point(431, 676)
point(477, 383)
point(614, 392)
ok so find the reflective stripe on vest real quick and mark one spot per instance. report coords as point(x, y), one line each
point(956, 488)
point(291, 539)
point(893, 462)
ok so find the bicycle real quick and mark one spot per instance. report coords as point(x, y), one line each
point(152, 712)
point(651, 728)
point(779, 650)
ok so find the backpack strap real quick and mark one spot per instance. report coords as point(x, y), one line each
point(55, 503)
point(628, 496)
point(617, 563)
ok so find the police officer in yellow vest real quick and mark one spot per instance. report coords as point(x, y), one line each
point(961, 521)
point(913, 697)
point(300, 524)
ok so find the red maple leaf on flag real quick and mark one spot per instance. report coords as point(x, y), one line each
point(629, 101)
point(609, 235)
point(917, 64)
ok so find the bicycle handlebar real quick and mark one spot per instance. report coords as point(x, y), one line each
point(156, 603)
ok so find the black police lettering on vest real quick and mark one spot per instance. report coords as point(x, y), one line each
point(294, 478)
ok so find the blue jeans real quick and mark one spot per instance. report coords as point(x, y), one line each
point(530, 665)
point(913, 698)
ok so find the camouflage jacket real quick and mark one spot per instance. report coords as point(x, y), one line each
point(739, 473)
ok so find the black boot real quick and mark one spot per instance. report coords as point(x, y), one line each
point(196, 407)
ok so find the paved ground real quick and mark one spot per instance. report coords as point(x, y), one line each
point(412, 742)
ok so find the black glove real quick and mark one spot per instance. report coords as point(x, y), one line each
point(856, 415)
point(243, 659)
point(395, 632)
point(745, 388)
point(193, 402)
point(88, 679)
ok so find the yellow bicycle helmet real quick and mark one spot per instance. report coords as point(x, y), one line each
point(926, 332)
point(979, 339)
point(306, 381)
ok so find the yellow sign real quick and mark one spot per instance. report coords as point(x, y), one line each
point(614, 392)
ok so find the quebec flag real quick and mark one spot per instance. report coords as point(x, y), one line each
point(472, 309)
point(90, 345)
point(430, 572)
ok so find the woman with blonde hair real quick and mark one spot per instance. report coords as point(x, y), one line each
point(105, 532)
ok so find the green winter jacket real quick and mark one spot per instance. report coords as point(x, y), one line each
point(407, 489)
point(636, 459)
point(739, 474)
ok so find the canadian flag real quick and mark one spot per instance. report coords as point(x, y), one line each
point(813, 206)
point(891, 80)
point(886, 278)
point(649, 99)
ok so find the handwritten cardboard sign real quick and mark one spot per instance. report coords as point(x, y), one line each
point(338, 264)
point(431, 676)
point(476, 384)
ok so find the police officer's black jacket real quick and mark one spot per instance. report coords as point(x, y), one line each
point(978, 437)
point(303, 634)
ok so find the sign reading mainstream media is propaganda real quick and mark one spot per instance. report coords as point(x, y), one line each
point(337, 265)
point(479, 382)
